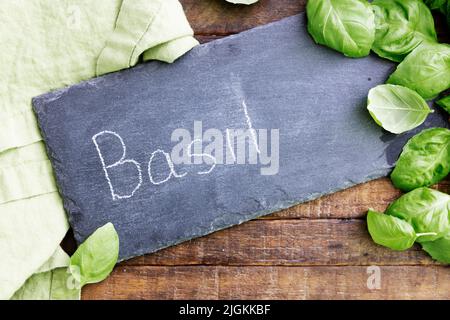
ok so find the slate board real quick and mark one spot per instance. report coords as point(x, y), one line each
point(315, 97)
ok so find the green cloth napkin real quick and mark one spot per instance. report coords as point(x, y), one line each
point(52, 281)
point(47, 45)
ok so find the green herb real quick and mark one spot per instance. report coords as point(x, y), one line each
point(96, 257)
point(347, 26)
point(390, 231)
point(424, 161)
point(401, 26)
point(448, 13)
point(435, 4)
point(397, 109)
point(427, 210)
point(425, 70)
point(445, 103)
point(439, 249)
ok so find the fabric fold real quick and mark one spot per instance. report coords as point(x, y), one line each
point(19, 182)
point(159, 22)
point(32, 230)
point(19, 130)
point(170, 51)
point(17, 156)
point(51, 282)
point(82, 39)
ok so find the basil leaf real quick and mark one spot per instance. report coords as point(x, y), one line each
point(347, 26)
point(425, 70)
point(448, 13)
point(95, 258)
point(424, 161)
point(390, 231)
point(435, 4)
point(401, 26)
point(439, 249)
point(242, 1)
point(427, 210)
point(397, 109)
point(445, 103)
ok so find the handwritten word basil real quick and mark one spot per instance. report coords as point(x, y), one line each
point(397, 109)
point(427, 210)
point(347, 26)
point(439, 249)
point(424, 161)
point(390, 231)
point(445, 103)
point(401, 26)
point(425, 70)
point(96, 257)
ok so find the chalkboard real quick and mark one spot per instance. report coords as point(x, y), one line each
point(236, 129)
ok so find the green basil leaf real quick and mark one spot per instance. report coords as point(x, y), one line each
point(439, 249)
point(243, 1)
point(445, 103)
point(390, 231)
point(448, 13)
point(397, 109)
point(347, 26)
point(96, 257)
point(425, 70)
point(401, 26)
point(424, 161)
point(435, 4)
point(427, 210)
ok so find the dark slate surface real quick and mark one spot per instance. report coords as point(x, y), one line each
point(314, 96)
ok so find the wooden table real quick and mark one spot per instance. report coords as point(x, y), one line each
point(317, 250)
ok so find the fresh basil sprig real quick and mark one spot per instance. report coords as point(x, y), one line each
point(448, 13)
point(96, 257)
point(425, 70)
point(401, 26)
point(347, 26)
point(425, 160)
point(440, 5)
point(444, 103)
point(427, 210)
point(439, 249)
point(397, 109)
point(391, 232)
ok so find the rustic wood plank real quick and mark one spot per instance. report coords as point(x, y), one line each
point(324, 256)
point(186, 282)
point(290, 243)
point(350, 203)
point(218, 17)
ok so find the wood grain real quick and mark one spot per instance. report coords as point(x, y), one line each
point(218, 17)
point(215, 282)
point(350, 203)
point(316, 250)
point(291, 243)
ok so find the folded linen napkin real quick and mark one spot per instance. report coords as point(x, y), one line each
point(47, 45)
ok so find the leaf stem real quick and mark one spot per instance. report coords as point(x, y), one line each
point(426, 234)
